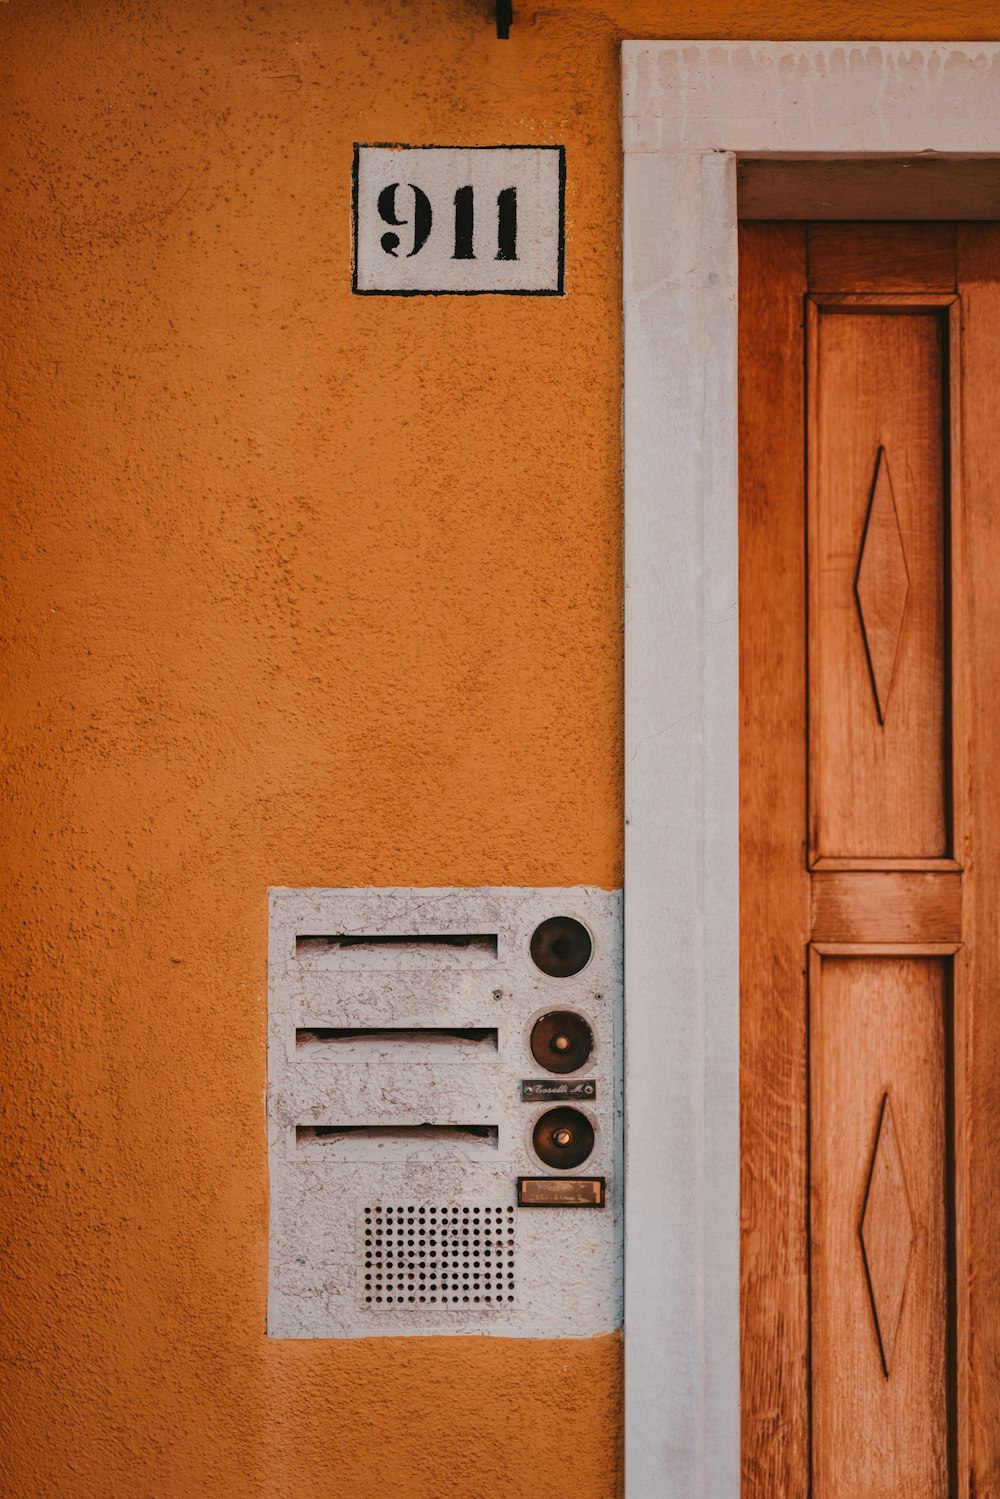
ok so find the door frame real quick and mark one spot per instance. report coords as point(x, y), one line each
point(691, 111)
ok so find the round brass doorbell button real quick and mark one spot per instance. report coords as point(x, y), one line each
point(561, 1041)
point(563, 1138)
point(561, 946)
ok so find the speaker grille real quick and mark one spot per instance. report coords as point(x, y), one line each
point(445, 1257)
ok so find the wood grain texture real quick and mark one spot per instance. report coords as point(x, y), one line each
point(774, 899)
point(925, 188)
point(878, 1026)
point(872, 1400)
point(879, 758)
point(979, 282)
point(879, 257)
point(882, 584)
point(888, 1230)
point(889, 906)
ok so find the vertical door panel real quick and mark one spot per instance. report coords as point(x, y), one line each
point(870, 845)
point(877, 562)
point(774, 898)
point(879, 1251)
point(979, 1125)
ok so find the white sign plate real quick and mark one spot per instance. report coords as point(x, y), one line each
point(461, 219)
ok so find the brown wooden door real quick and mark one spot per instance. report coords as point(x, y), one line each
point(870, 860)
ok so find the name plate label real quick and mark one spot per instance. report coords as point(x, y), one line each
point(533, 1089)
point(466, 220)
point(560, 1191)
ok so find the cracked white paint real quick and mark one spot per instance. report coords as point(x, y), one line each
point(811, 98)
point(568, 1261)
point(689, 111)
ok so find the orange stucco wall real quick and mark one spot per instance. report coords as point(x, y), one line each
point(301, 589)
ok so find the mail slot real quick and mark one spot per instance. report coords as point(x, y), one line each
point(441, 1064)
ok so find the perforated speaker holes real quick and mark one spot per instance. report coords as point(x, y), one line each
point(422, 1257)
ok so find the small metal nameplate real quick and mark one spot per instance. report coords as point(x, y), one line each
point(560, 1191)
point(533, 1089)
point(466, 220)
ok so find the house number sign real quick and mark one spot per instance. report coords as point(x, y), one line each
point(469, 220)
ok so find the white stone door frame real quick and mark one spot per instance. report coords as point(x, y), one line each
point(690, 110)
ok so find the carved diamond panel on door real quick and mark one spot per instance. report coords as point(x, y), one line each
point(887, 1232)
point(882, 585)
point(881, 782)
point(879, 1028)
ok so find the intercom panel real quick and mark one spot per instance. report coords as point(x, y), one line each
point(444, 1112)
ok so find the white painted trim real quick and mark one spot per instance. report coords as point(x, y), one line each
point(690, 109)
point(811, 98)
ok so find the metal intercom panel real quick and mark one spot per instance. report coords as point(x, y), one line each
point(444, 1112)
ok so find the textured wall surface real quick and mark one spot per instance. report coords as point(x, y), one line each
point(300, 589)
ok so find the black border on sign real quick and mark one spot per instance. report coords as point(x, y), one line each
point(558, 291)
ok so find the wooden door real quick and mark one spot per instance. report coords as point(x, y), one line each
point(870, 860)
